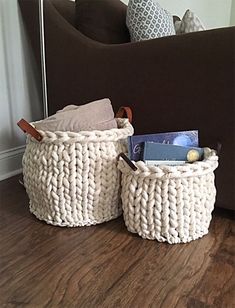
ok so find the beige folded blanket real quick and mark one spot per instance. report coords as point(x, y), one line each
point(97, 115)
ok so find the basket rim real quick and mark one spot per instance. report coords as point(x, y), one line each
point(124, 130)
point(198, 168)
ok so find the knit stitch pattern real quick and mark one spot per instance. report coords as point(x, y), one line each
point(72, 178)
point(169, 203)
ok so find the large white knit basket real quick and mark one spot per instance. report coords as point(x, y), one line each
point(72, 178)
point(169, 203)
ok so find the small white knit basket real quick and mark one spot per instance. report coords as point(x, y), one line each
point(72, 178)
point(169, 203)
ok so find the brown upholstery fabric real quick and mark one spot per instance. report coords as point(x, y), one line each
point(102, 20)
point(172, 83)
point(66, 9)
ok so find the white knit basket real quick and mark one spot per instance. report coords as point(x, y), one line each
point(72, 178)
point(169, 203)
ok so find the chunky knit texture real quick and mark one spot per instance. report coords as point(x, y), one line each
point(72, 179)
point(169, 203)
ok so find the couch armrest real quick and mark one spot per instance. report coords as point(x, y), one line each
point(191, 73)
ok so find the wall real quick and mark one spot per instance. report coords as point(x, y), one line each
point(213, 13)
point(232, 19)
point(20, 89)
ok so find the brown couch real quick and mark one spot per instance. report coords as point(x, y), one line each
point(172, 83)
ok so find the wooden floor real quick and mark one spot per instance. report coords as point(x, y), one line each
point(105, 266)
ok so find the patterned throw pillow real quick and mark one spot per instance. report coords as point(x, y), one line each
point(189, 23)
point(146, 19)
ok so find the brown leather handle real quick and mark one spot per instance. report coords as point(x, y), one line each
point(29, 129)
point(128, 161)
point(124, 111)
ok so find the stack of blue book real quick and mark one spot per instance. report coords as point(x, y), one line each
point(173, 148)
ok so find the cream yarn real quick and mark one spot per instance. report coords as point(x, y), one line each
point(72, 179)
point(169, 203)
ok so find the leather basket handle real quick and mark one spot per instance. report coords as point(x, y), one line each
point(128, 161)
point(124, 111)
point(29, 129)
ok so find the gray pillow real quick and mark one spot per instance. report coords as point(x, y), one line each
point(146, 19)
point(189, 23)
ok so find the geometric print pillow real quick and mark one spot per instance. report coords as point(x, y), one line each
point(146, 19)
point(189, 23)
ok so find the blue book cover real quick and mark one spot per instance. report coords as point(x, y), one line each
point(183, 138)
point(157, 151)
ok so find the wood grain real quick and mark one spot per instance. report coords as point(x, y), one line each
point(105, 266)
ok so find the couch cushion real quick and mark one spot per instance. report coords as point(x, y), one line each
point(189, 23)
point(146, 19)
point(66, 9)
point(102, 20)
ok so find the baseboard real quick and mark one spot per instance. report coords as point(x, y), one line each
point(11, 162)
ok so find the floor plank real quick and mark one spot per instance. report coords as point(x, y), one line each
point(105, 266)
